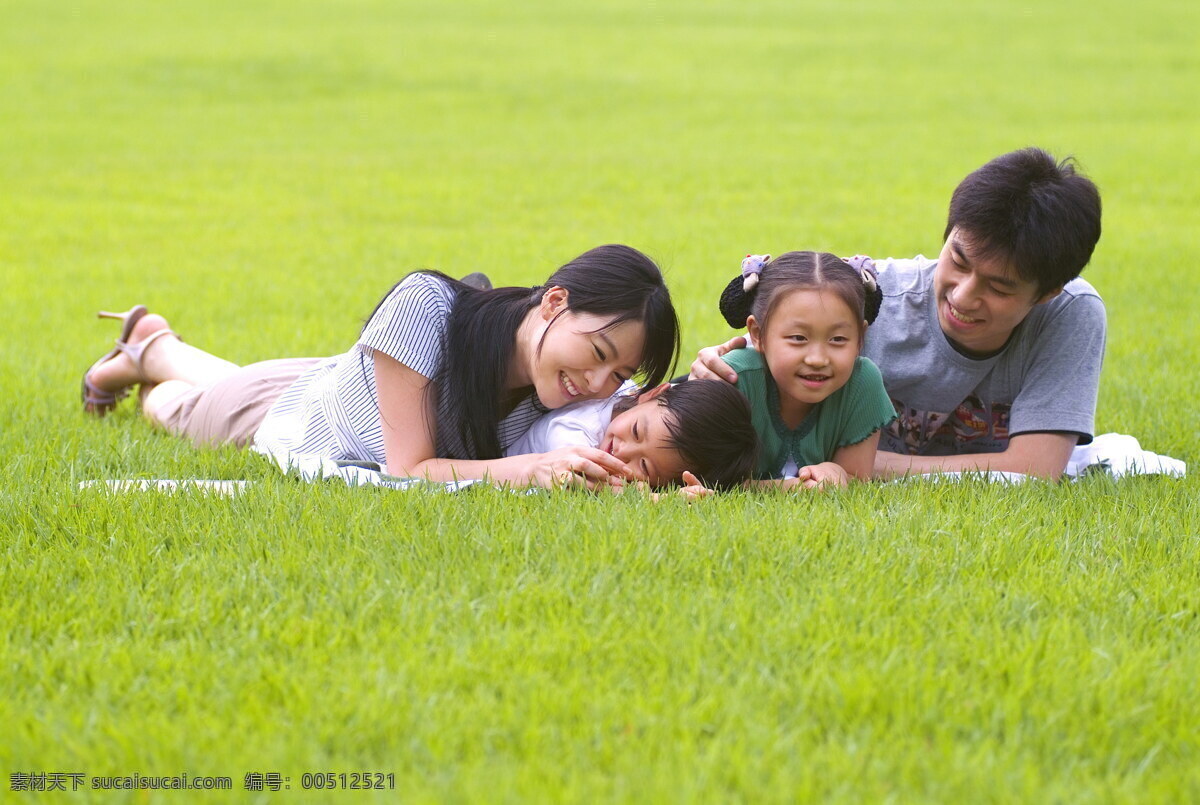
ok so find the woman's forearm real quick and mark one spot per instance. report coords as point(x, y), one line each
point(575, 465)
point(514, 470)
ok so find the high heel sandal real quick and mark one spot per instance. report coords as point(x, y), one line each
point(98, 401)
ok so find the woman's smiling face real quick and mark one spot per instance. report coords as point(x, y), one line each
point(579, 356)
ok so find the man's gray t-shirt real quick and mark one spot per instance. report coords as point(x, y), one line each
point(1045, 378)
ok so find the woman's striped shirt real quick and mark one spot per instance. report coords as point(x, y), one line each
point(332, 410)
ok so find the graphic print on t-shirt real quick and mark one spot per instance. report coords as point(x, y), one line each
point(973, 426)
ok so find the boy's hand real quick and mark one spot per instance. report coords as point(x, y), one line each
point(692, 488)
point(819, 476)
point(709, 365)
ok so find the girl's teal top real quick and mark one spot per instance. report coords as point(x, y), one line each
point(846, 417)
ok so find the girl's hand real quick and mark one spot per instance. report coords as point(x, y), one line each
point(819, 476)
point(576, 466)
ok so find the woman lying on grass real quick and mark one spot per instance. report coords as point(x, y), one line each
point(442, 379)
point(818, 406)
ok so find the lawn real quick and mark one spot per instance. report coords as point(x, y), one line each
point(262, 172)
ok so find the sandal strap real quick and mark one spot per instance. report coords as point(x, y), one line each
point(136, 351)
point(96, 396)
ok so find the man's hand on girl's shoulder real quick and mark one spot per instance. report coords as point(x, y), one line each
point(710, 364)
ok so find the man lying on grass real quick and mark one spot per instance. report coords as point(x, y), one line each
point(990, 354)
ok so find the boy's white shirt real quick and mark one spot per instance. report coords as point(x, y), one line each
point(582, 424)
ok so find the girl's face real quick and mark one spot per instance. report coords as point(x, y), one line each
point(579, 359)
point(810, 345)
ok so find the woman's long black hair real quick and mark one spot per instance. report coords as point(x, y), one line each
point(613, 281)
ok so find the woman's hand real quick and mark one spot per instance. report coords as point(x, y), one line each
point(709, 364)
point(819, 476)
point(576, 466)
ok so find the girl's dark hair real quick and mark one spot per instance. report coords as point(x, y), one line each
point(613, 281)
point(790, 271)
point(710, 426)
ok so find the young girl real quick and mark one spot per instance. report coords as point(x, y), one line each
point(817, 406)
point(699, 433)
point(442, 377)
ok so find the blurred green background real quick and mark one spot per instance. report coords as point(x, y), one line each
point(261, 172)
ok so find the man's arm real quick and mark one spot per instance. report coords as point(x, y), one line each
point(710, 363)
point(1041, 454)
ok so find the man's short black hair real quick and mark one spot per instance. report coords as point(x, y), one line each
point(1040, 216)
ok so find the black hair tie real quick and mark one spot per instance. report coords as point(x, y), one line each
point(738, 297)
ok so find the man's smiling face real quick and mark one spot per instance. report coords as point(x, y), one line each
point(980, 300)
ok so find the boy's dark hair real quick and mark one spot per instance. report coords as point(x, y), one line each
point(710, 426)
point(1039, 216)
point(614, 281)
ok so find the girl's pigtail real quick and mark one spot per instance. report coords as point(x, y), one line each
point(874, 296)
point(873, 299)
point(738, 296)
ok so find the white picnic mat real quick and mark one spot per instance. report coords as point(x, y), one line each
point(1112, 454)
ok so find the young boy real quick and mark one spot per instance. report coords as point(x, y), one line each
point(991, 353)
point(700, 428)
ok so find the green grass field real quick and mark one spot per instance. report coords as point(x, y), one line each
point(262, 172)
